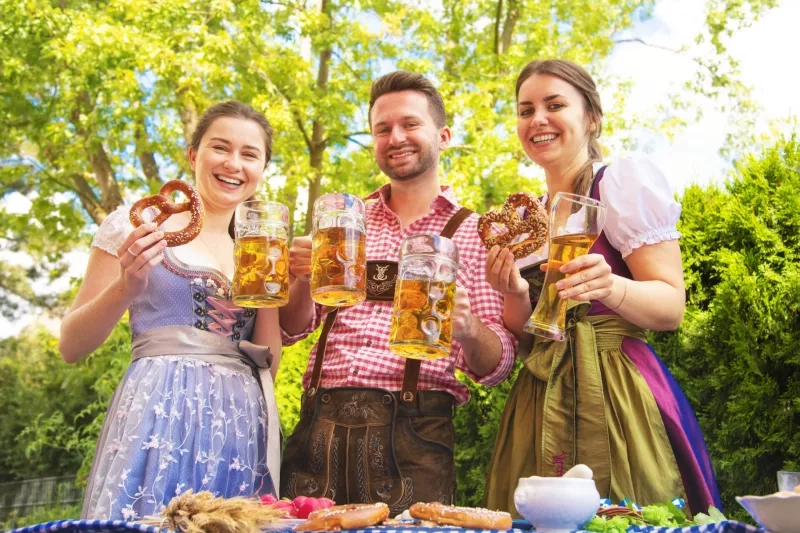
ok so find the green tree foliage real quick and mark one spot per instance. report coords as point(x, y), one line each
point(98, 100)
point(737, 353)
point(53, 412)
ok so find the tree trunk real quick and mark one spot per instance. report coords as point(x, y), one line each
point(89, 199)
point(317, 148)
point(104, 174)
point(189, 119)
point(512, 16)
point(146, 158)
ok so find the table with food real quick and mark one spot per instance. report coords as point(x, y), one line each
point(567, 504)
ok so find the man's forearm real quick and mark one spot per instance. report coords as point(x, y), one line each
point(296, 315)
point(483, 350)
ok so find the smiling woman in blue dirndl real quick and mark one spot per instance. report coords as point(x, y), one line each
point(196, 408)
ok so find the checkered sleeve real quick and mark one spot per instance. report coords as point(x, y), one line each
point(316, 318)
point(486, 304)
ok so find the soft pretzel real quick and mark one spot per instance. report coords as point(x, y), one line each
point(466, 517)
point(534, 225)
point(351, 516)
point(166, 208)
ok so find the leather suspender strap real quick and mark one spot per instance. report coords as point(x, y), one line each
point(455, 222)
point(316, 375)
point(411, 374)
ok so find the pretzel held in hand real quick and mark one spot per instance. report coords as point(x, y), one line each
point(466, 517)
point(534, 225)
point(166, 208)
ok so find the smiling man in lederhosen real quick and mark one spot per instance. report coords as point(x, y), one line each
point(375, 427)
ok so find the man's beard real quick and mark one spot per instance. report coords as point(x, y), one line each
point(426, 160)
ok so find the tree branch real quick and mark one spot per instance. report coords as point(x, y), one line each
point(89, 199)
point(104, 174)
point(346, 64)
point(642, 41)
point(512, 16)
point(146, 157)
point(497, 16)
point(352, 140)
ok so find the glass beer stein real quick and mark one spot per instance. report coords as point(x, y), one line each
point(261, 253)
point(424, 298)
point(575, 223)
point(338, 251)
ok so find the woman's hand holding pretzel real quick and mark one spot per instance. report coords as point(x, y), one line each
point(139, 253)
point(502, 272)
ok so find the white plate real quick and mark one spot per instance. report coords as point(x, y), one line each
point(284, 524)
point(777, 513)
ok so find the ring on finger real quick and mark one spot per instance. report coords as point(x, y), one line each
point(133, 254)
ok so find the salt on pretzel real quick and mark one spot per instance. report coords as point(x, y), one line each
point(466, 517)
point(534, 225)
point(350, 516)
point(166, 208)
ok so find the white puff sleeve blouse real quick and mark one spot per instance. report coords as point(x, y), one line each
point(641, 206)
point(113, 231)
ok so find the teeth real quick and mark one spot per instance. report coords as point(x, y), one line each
point(229, 180)
point(400, 155)
point(544, 138)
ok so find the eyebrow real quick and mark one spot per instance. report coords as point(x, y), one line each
point(226, 141)
point(546, 99)
point(404, 117)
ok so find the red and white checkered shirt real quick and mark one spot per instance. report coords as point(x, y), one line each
point(357, 353)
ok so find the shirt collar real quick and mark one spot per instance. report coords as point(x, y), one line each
point(445, 197)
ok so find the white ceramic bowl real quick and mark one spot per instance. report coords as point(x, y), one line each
point(777, 513)
point(556, 504)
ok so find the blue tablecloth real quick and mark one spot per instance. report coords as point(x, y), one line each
point(120, 526)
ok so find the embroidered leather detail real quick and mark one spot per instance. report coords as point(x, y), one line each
point(380, 275)
point(356, 408)
point(405, 501)
point(311, 487)
point(361, 468)
point(292, 484)
point(385, 490)
point(376, 460)
point(334, 477)
point(381, 278)
point(317, 450)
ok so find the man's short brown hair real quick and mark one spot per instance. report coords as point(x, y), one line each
point(400, 80)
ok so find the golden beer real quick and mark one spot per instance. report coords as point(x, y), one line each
point(421, 323)
point(552, 310)
point(575, 223)
point(261, 254)
point(424, 297)
point(262, 272)
point(338, 266)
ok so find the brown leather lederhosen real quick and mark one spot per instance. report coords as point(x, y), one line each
point(366, 445)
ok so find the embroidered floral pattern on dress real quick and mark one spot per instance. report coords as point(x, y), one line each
point(177, 423)
point(162, 402)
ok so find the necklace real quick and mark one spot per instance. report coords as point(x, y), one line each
point(220, 265)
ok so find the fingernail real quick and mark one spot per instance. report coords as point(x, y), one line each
point(560, 285)
point(159, 234)
point(562, 294)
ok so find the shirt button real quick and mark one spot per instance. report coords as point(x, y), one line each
point(369, 343)
point(355, 372)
